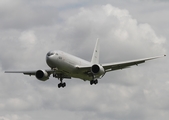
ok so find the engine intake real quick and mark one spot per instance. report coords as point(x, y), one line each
point(97, 69)
point(42, 75)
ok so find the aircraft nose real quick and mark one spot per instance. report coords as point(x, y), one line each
point(49, 58)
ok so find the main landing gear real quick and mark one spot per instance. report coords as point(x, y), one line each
point(93, 82)
point(61, 84)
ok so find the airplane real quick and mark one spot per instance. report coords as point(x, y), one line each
point(66, 66)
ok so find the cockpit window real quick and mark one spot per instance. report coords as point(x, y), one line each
point(51, 53)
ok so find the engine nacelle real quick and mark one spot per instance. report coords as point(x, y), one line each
point(97, 69)
point(42, 75)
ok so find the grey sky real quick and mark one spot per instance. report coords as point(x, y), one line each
point(127, 30)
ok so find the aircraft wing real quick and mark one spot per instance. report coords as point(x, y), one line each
point(121, 65)
point(57, 72)
point(29, 72)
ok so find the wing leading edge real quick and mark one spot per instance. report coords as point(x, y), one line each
point(121, 65)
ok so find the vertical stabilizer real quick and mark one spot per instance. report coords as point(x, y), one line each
point(95, 57)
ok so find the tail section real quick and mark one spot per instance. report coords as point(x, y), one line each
point(95, 57)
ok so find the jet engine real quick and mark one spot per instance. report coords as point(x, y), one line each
point(42, 75)
point(97, 69)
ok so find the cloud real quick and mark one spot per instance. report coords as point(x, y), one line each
point(28, 37)
point(15, 117)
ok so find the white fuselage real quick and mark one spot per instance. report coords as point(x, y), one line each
point(68, 64)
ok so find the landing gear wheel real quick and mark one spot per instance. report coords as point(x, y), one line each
point(61, 85)
point(93, 82)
